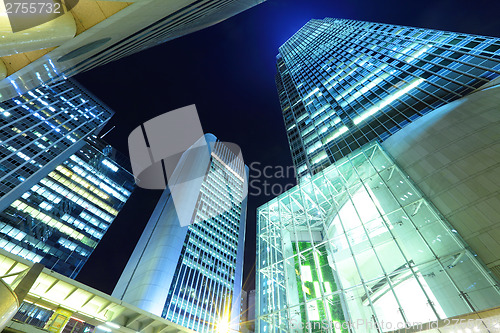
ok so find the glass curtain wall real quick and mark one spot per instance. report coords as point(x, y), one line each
point(60, 220)
point(357, 248)
point(344, 83)
point(205, 279)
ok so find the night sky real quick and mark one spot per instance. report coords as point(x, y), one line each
point(228, 71)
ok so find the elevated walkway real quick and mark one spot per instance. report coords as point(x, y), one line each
point(58, 304)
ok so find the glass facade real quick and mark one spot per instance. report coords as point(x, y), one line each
point(208, 273)
point(357, 248)
point(40, 317)
point(60, 186)
point(344, 83)
point(39, 126)
point(61, 219)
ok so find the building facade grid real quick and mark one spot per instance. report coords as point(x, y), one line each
point(38, 126)
point(60, 185)
point(60, 220)
point(343, 83)
point(205, 280)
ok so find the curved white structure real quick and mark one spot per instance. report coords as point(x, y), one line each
point(49, 34)
point(8, 304)
point(106, 31)
point(453, 155)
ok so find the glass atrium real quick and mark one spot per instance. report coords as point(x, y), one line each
point(358, 248)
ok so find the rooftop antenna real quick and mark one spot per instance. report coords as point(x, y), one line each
point(102, 136)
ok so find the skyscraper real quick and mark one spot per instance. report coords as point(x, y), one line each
point(61, 186)
point(40, 130)
point(94, 33)
point(343, 83)
point(192, 275)
point(394, 131)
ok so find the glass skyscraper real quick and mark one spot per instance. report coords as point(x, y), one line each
point(362, 244)
point(343, 83)
point(192, 275)
point(61, 186)
point(41, 129)
point(61, 219)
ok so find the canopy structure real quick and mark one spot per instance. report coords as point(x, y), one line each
point(54, 296)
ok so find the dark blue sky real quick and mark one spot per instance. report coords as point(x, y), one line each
point(228, 72)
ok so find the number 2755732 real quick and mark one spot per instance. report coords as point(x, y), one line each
point(33, 8)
